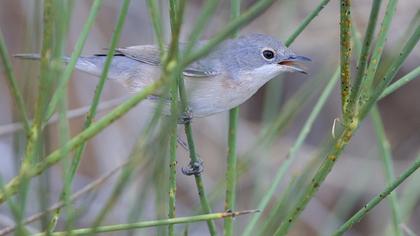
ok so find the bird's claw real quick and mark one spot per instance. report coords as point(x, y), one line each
point(193, 168)
point(186, 116)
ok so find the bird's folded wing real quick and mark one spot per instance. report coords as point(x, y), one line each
point(150, 54)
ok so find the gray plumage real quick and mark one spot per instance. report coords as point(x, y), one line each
point(225, 78)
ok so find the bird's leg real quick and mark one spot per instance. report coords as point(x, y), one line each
point(182, 143)
point(193, 168)
point(185, 117)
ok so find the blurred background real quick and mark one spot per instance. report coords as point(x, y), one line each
point(356, 178)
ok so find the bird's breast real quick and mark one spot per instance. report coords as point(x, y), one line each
point(217, 94)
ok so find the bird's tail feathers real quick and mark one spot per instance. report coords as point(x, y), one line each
point(28, 56)
point(35, 57)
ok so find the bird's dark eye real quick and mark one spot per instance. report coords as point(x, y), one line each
point(268, 54)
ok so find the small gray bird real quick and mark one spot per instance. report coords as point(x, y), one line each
point(224, 79)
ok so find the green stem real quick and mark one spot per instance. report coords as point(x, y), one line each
point(231, 171)
point(193, 156)
point(385, 152)
point(345, 54)
point(292, 154)
point(231, 166)
point(157, 26)
point(176, 9)
point(377, 199)
point(153, 223)
point(363, 58)
point(73, 60)
point(13, 84)
point(47, 52)
point(379, 46)
point(198, 180)
point(392, 71)
point(414, 74)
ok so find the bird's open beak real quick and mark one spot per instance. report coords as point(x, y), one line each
point(294, 63)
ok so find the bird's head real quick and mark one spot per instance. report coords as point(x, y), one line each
point(261, 56)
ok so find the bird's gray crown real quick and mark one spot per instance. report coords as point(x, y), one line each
point(248, 52)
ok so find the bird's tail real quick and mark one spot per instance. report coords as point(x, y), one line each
point(35, 57)
point(28, 56)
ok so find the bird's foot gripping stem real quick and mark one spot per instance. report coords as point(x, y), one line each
point(185, 117)
point(193, 168)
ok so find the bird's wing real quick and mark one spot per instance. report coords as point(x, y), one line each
point(150, 54)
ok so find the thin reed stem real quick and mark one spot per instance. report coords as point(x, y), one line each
point(414, 74)
point(157, 24)
point(345, 54)
point(231, 175)
point(392, 71)
point(32, 146)
point(176, 10)
point(379, 47)
point(153, 223)
point(363, 57)
point(13, 84)
point(385, 152)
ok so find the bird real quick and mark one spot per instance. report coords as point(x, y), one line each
point(225, 78)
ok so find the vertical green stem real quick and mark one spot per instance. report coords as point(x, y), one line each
point(193, 155)
point(363, 58)
point(46, 54)
point(172, 172)
point(33, 144)
point(391, 72)
point(230, 199)
point(172, 152)
point(379, 45)
point(345, 54)
point(13, 84)
point(157, 26)
point(176, 15)
point(385, 152)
